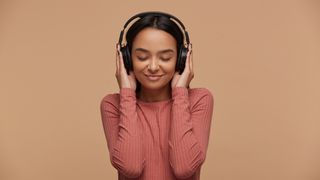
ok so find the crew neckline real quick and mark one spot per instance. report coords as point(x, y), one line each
point(155, 102)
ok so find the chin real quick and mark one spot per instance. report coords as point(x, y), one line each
point(154, 85)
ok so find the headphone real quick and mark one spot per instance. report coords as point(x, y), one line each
point(182, 52)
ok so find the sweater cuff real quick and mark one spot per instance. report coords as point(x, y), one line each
point(179, 91)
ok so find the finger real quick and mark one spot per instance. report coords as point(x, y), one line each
point(188, 58)
point(177, 75)
point(131, 74)
point(121, 64)
point(191, 58)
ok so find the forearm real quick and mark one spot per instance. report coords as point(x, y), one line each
point(127, 153)
point(186, 154)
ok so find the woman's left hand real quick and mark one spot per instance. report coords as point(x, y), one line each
point(187, 75)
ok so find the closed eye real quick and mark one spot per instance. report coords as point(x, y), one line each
point(142, 58)
point(162, 58)
point(166, 59)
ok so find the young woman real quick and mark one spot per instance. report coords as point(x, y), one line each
point(156, 127)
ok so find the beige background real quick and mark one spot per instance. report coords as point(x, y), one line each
point(259, 58)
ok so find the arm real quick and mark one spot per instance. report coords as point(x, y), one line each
point(123, 133)
point(189, 131)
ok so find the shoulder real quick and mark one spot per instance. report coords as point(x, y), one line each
point(199, 92)
point(200, 95)
point(111, 99)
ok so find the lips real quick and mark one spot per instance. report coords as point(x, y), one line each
point(154, 77)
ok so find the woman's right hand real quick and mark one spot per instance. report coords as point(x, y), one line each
point(124, 80)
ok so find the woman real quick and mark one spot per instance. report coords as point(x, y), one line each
point(156, 127)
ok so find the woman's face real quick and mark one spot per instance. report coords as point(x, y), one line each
point(154, 52)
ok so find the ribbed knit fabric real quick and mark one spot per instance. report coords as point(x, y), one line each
point(163, 140)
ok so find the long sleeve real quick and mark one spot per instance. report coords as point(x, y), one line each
point(123, 133)
point(189, 131)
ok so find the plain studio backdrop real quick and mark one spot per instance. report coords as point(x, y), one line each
point(259, 58)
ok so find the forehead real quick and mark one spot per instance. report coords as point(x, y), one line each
point(154, 40)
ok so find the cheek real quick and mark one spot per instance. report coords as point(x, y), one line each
point(171, 65)
point(138, 69)
point(138, 65)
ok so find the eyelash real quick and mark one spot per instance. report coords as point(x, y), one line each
point(165, 59)
point(142, 58)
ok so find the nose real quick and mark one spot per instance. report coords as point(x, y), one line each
point(153, 65)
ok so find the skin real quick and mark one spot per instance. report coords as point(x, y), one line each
point(154, 52)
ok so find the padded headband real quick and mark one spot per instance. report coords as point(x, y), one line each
point(155, 13)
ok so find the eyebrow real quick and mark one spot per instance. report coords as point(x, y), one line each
point(162, 51)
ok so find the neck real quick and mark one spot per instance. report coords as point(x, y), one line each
point(151, 95)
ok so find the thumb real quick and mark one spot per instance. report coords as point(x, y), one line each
point(131, 73)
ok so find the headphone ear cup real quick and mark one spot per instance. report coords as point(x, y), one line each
point(179, 64)
point(182, 59)
point(126, 58)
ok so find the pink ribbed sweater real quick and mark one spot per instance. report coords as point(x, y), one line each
point(163, 140)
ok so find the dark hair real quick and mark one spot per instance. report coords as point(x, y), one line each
point(154, 21)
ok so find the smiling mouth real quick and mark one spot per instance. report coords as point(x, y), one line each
point(154, 77)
